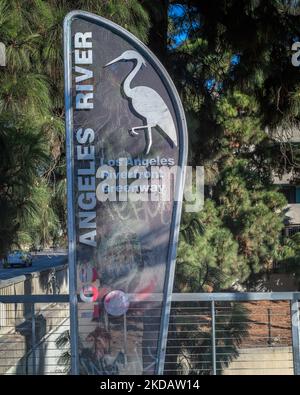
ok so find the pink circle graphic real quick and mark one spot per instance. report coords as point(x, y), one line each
point(116, 303)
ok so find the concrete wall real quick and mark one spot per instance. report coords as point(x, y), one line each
point(262, 361)
point(16, 323)
point(36, 283)
point(16, 354)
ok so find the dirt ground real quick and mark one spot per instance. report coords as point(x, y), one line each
point(269, 324)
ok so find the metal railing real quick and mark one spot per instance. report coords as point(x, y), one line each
point(30, 327)
point(208, 334)
point(234, 333)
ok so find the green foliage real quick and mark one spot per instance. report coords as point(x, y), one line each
point(232, 110)
point(128, 13)
point(42, 226)
point(237, 114)
point(32, 174)
point(238, 233)
point(289, 256)
point(23, 156)
point(233, 237)
point(210, 260)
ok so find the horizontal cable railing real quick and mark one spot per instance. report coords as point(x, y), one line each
point(208, 334)
point(30, 332)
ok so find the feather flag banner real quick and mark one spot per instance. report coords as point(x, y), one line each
point(126, 145)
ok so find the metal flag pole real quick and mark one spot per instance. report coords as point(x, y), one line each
point(169, 279)
point(176, 217)
point(70, 196)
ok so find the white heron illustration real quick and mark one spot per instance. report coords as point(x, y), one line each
point(147, 103)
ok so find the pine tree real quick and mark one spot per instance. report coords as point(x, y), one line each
point(234, 74)
point(31, 101)
point(24, 108)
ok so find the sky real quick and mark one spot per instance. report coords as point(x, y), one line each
point(178, 11)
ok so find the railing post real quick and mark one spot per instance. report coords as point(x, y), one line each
point(213, 337)
point(33, 338)
point(125, 337)
point(269, 327)
point(296, 335)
